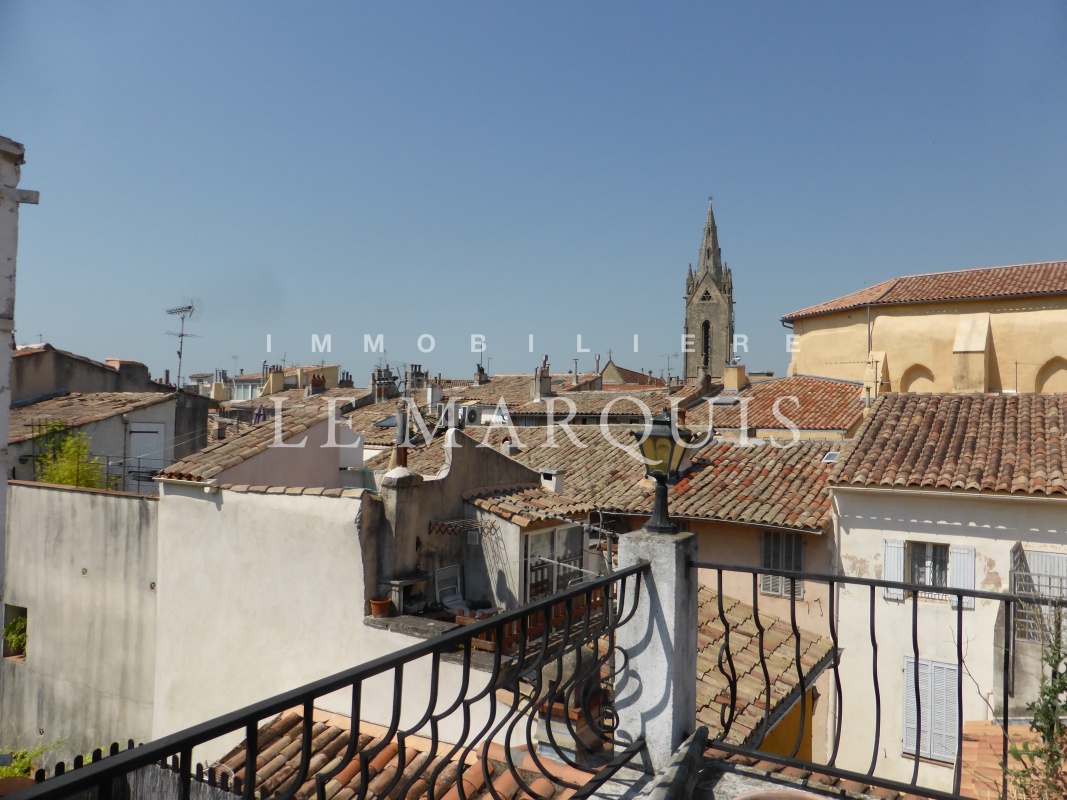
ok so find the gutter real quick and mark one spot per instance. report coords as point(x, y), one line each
point(209, 487)
point(930, 491)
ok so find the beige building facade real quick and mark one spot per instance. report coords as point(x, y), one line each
point(989, 330)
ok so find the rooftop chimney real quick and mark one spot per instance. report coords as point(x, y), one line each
point(543, 380)
point(598, 363)
point(480, 376)
point(734, 378)
point(346, 381)
point(574, 377)
point(509, 448)
point(552, 480)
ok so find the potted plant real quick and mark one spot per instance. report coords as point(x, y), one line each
point(380, 606)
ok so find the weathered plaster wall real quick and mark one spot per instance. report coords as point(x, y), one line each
point(494, 567)
point(992, 526)
point(83, 565)
point(1024, 334)
point(43, 373)
point(259, 594)
point(312, 464)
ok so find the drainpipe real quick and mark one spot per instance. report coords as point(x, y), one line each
point(125, 445)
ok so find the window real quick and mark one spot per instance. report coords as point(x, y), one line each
point(705, 348)
point(782, 551)
point(939, 713)
point(1037, 576)
point(554, 561)
point(15, 632)
point(928, 564)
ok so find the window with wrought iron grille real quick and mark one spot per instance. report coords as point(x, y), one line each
point(1037, 577)
point(783, 551)
point(937, 704)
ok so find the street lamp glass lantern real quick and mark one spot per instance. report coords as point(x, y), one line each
point(662, 449)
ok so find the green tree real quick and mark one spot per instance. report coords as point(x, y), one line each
point(1040, 773)
point(69, 463)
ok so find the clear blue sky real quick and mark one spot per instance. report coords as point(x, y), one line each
point(512, 168)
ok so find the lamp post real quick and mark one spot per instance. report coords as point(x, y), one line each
point(663, 454)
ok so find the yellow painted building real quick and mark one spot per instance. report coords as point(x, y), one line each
point(984, 330)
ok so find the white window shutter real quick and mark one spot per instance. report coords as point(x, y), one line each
point(909, 705)
point(893, 567)
point(943, 720)
point(961, 572)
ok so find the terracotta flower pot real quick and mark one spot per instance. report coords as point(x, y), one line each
point(380, 606)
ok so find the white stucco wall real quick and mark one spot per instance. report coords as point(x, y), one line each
point(259, 594)
point(83, 564)
point(313, 464)
point(992, 526)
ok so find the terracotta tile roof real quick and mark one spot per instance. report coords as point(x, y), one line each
point(527, 505)
point(1010, 444)
point(758, 485)
point(779, 776)
point(76, 409)
point(980, 776)
point(635, 378)
point(596, 403)
point(1022, 280)
point(822, 405)
point(779, 655)
point(219, 456)
point(366, 420)
point(515, 389)
point(280, 743)
point(292, 398)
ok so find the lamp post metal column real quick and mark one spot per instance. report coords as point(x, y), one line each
point(655, 686)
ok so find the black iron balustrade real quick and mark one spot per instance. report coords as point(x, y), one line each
point(872, 702)
point(557, 653)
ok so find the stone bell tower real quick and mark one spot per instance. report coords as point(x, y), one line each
point(709, 309)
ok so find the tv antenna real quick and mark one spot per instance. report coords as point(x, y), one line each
point(183, 312)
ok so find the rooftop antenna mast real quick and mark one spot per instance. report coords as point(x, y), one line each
point(182, 312)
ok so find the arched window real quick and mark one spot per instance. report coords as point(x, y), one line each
point(1052, 377)
point(706, 343)
point(917, 378)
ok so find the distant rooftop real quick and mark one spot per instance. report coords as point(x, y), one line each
point(76, 409)
point(1022, 280)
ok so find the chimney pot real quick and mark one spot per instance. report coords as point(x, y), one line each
point(552, 480)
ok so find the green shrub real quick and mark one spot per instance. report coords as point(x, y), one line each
point(15, 634)
point(69, 463)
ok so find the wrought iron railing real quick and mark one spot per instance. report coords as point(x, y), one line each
point(542, 672)
point(878, 614)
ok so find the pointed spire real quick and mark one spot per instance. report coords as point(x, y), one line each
point(710, 255)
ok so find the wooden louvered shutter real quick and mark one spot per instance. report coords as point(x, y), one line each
point(893, 567)
point(794, 560)
point(771, 584)
point(944, 711)
point(910, 706)
point(961, 571)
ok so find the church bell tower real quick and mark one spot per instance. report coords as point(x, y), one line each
point(709, 309)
